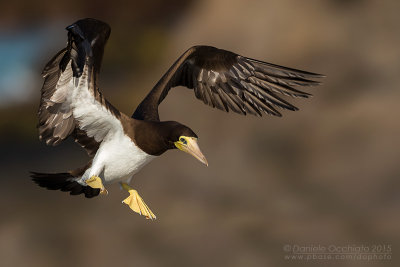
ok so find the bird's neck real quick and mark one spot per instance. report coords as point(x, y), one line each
point(151, 136)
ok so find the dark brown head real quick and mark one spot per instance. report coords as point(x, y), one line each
point(182, 137)
point(174, 130)
point(157, 137)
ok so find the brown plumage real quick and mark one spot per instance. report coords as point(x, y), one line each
point(72, 105)
point(228, 81)
point(56, 121)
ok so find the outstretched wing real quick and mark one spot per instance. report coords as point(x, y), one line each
point(71, 104)
point(228, 81)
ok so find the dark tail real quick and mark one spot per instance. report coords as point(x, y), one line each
point(64, 182)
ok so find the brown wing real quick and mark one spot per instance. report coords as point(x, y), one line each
point(55, 116)
point(228, 81)
point(75, 66)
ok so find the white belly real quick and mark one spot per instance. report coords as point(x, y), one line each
point(117, 159)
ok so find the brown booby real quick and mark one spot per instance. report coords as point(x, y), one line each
point(119, 145)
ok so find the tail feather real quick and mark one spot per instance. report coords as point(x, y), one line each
point(64, 182)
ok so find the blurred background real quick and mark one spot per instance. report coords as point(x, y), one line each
point(327, 174)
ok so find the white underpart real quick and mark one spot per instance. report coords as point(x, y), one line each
point(118, 158)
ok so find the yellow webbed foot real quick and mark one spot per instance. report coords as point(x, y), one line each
point(136, 203)
point(95, 182)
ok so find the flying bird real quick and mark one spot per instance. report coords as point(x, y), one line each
point(71, 105)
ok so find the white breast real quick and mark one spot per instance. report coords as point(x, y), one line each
point(117, 159)
point(122, 158)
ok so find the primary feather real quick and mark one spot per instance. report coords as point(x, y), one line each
point(228, 81)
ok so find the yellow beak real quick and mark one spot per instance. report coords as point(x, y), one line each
point(192, 148)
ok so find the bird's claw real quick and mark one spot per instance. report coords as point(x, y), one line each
point(95, 182)
point(136, 203)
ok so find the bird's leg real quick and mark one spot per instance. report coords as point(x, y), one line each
point(136, 203)
point(95, 182)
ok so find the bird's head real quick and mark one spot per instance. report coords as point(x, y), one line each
point(183, 138)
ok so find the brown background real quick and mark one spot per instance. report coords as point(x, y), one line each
point(328, 174)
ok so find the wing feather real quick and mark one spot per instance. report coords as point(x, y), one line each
point(71, 104)
point(227, 81)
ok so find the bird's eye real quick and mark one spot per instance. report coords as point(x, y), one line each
point(183, 140)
